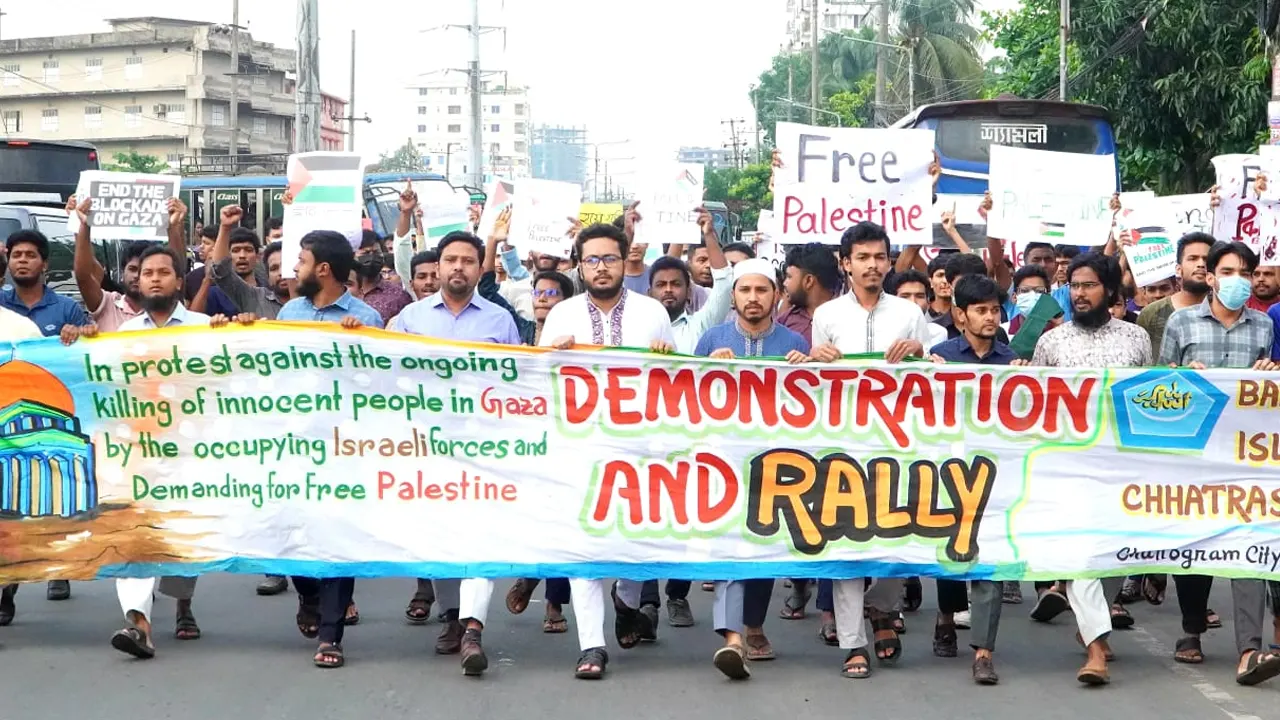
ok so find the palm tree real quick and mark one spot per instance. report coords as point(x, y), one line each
point(944, 47)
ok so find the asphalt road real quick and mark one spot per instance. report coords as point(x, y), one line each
point(251, 663)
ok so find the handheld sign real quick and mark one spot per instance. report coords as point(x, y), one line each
point(130, 206)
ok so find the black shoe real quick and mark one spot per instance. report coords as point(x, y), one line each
point(273, 585)
point(474, 662)
point(58, 590)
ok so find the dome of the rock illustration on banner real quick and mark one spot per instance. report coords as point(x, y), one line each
point(46, 462)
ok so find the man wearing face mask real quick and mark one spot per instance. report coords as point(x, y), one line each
point(388, 298)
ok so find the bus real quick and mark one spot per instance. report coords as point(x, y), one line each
point(42, 172)
point(260, 196)
point(728, 225)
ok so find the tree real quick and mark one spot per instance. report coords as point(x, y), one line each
point(938, 36)
point(788, 79)
point(1184, 81)
point(718, 182)
point(133, 162)
point(1029, 37)
point(856, 107)
point(403, 159)
point(750, 194)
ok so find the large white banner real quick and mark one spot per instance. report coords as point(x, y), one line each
point(833, 178)
point(1055, 197)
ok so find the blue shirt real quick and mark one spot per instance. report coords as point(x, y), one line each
point(777, 341)
point(1274, 313)
point(303, 310)
point(50, 312)
point(1063, 296)
point(958, 350)
point(479, 321)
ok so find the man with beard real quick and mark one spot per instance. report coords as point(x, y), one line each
point(867, 320)
point(30, 297)
point(1092, 339)
point(1193, 248)
point(812, 277)
point(458, 312)
point(670, 283)
point(611, 316)
point(388, 298)
point(1266, 288)
point(233, 259)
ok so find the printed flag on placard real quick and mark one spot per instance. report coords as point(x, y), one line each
point(328, 191)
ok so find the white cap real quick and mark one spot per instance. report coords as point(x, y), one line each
point(755, 266)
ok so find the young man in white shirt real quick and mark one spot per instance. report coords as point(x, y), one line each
point(612, 316)
point(867, 320)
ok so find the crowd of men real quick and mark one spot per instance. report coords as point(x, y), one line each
point(1061, 307)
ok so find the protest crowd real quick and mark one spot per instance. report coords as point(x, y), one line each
point(1056, 306)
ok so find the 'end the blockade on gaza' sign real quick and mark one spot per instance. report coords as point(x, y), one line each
point(833, 178)
point(126, 205)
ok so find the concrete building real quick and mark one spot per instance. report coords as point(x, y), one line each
point(560, 153)
point(833, 15)
point(155, 86)
point(441, 119)
point(333, 126)
point(713, 158)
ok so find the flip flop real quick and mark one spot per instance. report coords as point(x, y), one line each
point(521, 594)
point(329, 656)
point(419, 610)
point(133, 641)
point(186, 628)
point(1259, 668)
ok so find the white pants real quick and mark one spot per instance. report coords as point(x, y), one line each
point(448, 593)
point(847, 596)
point(588, 607)
point(1091, 607)
point(137, 594)
point(474, 595)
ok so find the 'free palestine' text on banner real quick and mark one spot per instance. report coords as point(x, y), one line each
point(304, 449)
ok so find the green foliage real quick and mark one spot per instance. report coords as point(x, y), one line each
point(1029, 37)
point(944, 47)
point(133, 162)
point(750, 193)
point(404, 159)
point(717, 183)
point(856, 107)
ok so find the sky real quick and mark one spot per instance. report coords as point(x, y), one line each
point(659, 75)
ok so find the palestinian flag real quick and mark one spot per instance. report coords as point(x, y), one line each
point(1053, 231)
point(1150, 234)
point(326, 178)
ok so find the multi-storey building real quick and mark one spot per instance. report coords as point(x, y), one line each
point(333, 123)
point(713, 158)
point(833, 16)
point(560, 153)
point(154, 86)
point(441, 119)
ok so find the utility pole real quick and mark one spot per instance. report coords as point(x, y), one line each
point(235, 79)
point(739, 156)
point(307, 99)
point(351, 99)
point(473, 70)
point(1064, 29)
point(2, 14)
point(882, 37)
point(814, 74)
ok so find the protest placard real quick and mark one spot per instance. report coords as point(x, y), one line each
point(328, 194)
point(133, 206)
point(833, 178)
point(1255, 223)
point(669, 195)
point(1153, 254)
point(1053, 197)
point(499, 195)
point(541, 216)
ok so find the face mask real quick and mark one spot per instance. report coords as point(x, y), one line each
point(1234, 291)
point(369, 266)
point(1025, 301)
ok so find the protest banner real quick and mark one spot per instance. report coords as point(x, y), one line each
point(1237, 174)
point(1182, 213)
point(499, 196)
point(1153, 256)
point(669, 195)
point(305, 449)
point(540, 216)
point(328, 194)
point(833, 178)
point(132, 206)
point(592, 213)
point(1255, 223)
point(443, 213)
point(1053, 197)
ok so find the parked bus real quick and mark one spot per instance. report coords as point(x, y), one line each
point(42, 172)
point(728, 225)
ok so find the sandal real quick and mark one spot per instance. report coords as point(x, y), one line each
point(627, 623)
point(827, 634)
point(1131, 591)
point(1188, 651)
point(912, 594)
point(7, 607)
point(888, 649)
point(186, 628)
point(1093, 676)
point(520, 594)
point(1154, 588)
point(759, 649)
point(1110, 654)
point(308, 618)
point(133, 641)
point(1120, 617)
point(1050, 604)
point(591, 658)
point(899, 623)
point(1212, 620)
point(945, 642)
point(793, 608)
point(418, 611)
point(732, 661)
point(857, 670)
point(1259, 668)
point(329, 656)
point(555, 625)
point(353, 615)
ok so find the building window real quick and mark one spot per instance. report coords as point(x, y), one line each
point(441, 159)
point(495, 128)
point(51, 71)
point(218, 116)
point(173, 158)
point(11, 75)
point(259, 126)
point(453, 91)
point(519, 109)
point(133, 67)
point(93, 116)
point(49, 120)
point(93, 68)
point(422, 109)
point(422, 91)
point(260, 80)
point(455, 109)
point(520, 129)
point(422, 129)
point(132, 115)
point(455, 128)
point(12, 121)
point(495, 109)
point(521, 147)
point(495, 148)
point(175, 112)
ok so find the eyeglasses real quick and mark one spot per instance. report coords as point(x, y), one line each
point(547, 293)
point(1030, 289)
point(1085, 286)
point(595, 261)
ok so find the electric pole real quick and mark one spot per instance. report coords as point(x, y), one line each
point(739, 157)
point(473, 71)
point(2, 14)
point(351, 99)
point(882, 37)
point(1064, 29)
point(235, 78)
point(307, 99)
point(814, 74)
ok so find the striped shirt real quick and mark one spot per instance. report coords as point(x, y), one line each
point(1194, 335)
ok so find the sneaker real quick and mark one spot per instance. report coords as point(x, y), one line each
point(679, 614)
point(962, 619)
point(273, 585)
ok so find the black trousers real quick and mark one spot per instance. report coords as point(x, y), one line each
point(557, 591)
point(755, 601)
point(675, 590)
point(953, 596)
point(1193, 601)
point(332, 595)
